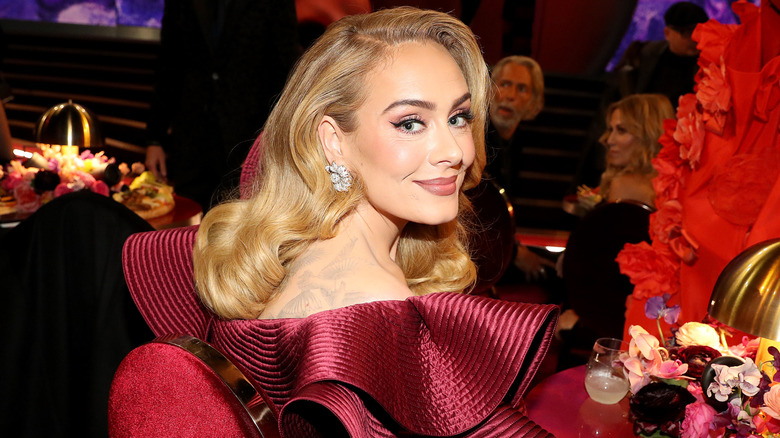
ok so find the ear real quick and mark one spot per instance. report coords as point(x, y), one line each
point(667, 32)
point(331, 138)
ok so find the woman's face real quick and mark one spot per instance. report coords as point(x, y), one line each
point(620, 144)
point(413, 143)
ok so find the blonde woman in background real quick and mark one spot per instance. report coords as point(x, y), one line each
point(634, 125)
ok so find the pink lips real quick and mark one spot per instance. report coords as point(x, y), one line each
point(440, 186)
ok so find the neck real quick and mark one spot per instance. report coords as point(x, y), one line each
point(506, 133)
point(379, 232)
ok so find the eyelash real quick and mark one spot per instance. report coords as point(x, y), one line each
point(466, 115)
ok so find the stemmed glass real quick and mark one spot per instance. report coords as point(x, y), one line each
point(605, 380)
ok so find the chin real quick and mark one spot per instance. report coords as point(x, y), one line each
point(439, 218)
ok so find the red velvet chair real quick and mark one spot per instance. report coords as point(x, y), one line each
point(183, 387)
point(180, 386)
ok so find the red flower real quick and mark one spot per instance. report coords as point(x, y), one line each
point(690, 130)
point(666, 222)
point(712, 38)
point(669, 166)
point(697, 357)
point(714, 94)
point(651, 270)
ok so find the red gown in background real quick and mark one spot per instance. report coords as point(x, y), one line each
point(724, 187)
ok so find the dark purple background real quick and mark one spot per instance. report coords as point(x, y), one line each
point(146, 13)
point(647, 23)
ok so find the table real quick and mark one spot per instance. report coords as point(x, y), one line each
point(185, 212)
point(561, 405)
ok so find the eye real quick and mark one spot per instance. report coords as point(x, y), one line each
point(461, 119)
point(410, 125)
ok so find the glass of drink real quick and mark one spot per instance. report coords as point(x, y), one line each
point(605, 380)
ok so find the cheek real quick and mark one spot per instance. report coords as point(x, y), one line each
point(469, 152)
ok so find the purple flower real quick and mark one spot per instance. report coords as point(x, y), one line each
point(656, 308)
point(775, 361)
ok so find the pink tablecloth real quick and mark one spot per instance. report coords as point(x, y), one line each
point(561, 405)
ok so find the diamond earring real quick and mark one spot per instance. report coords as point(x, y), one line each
point(339, 176)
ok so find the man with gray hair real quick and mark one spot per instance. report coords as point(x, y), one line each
point(518, 96)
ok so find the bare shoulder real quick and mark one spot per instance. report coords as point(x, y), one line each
point(632, 186)
point(323, 280)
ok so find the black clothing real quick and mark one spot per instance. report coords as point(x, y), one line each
point(222, 65)
point(650, 67)
point(501, 155)
point(67, 316)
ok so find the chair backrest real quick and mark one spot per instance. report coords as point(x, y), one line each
point(180, 386)
point(67, 317)
point(595, 287)
point(493, 243)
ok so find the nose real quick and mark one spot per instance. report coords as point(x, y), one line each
point(510, 93)
point(446, 149)
point(611, 139)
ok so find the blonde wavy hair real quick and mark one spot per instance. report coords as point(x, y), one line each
point(643, 117)
point(244, 248)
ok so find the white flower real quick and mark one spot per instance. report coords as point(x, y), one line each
point(745, 376)
point(696, 333)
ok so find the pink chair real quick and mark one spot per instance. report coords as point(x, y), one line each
point(183, 387)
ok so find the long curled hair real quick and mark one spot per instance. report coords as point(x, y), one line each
point(643, 117)
point(244, 248)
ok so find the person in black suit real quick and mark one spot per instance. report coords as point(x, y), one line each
point(222, 63)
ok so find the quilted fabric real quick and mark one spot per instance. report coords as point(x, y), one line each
point(443, 364)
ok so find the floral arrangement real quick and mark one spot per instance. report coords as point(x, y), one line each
point(56, 174)
point(713, 161)
point(695, 386)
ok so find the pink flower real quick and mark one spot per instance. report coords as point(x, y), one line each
point(698, 417)
point(638, 377)
point(27, 201)
point(62, 189)
point(690, 130)
point(671, 369)
point(714, 94)
point(100, 188)
point(747, 348)
point(772, 402)
point(651, 271)
point(11, 180)
point(645, 359)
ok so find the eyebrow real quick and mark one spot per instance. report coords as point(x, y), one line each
point(424, 103)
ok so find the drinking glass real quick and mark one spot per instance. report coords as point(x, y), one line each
point(605, 380)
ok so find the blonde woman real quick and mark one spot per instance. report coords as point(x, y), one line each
point(634, 125)
point(331, 286)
